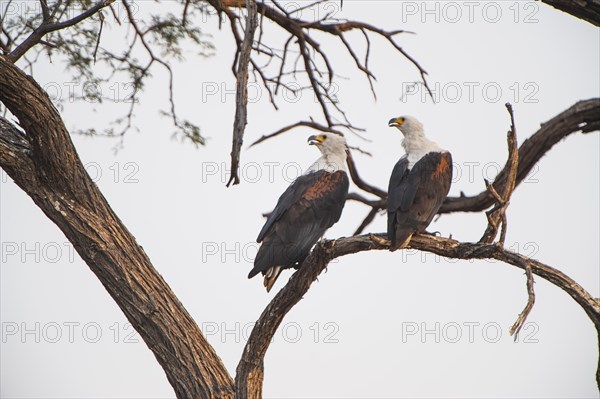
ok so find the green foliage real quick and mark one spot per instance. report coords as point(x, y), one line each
point(123, 42)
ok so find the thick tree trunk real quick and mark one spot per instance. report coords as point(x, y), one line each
point(44, 163)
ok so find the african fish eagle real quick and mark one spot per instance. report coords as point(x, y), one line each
point(306, 209)
point(418, 185)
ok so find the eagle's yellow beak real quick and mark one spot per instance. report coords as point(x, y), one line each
point(316, 140)
point(396, 122)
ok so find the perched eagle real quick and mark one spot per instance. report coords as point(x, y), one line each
point(418, 185)
point(309, 206)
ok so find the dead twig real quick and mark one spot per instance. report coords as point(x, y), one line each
point(497, 216)
point(516, 327)
point(583, 116)
point(241, 97)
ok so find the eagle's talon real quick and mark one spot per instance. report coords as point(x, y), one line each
point(433, 233)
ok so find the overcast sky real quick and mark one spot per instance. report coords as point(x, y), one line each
point(377, 324)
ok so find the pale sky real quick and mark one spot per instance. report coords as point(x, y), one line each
point(377, 324)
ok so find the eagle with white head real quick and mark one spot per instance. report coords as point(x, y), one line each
point(419, 183)
point(305, 210)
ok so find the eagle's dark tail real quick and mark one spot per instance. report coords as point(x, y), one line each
point(270, 261)
point(265, 258)
point(400, 239)
point(271, 276)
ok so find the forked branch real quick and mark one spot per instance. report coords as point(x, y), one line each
point(497, 215)
point(583, 116)
point(250, 369)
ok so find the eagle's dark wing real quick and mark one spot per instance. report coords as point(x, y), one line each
point(308, 207)
point(396, 190)
point(415, 195)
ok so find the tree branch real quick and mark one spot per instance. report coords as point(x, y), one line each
point(588, 10)
point(360, 183)
point(249, 373)
point(497, 215)
point(241, 97)
point(583, 116)
point(44, 163)
point(250, 368)
point(516, 327)
point(309, 124)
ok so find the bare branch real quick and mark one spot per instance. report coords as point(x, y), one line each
point(243, 59)
point(359, 198)
point(3, 16)
point(45, 10)
point(101, 17)
point(588, 10)
point(249, 373)
point(497, 216)
point(309, 124)
point(584, 116)
point(367, 221)
point(516, 327)
point(241, 97)
point(250, 368)
point(363, 68)
point(184, 13)
point(360, 182)
point(306, 57)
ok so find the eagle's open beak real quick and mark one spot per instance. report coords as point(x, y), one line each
point(315, 140)
point(394, 122)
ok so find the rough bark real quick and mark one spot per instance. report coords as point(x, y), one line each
point(588, 10)
point(44, 163)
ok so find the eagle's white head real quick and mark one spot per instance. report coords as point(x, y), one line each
point(329, 143)
point(408, 125)
point(415, 143)
point(333, 147)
